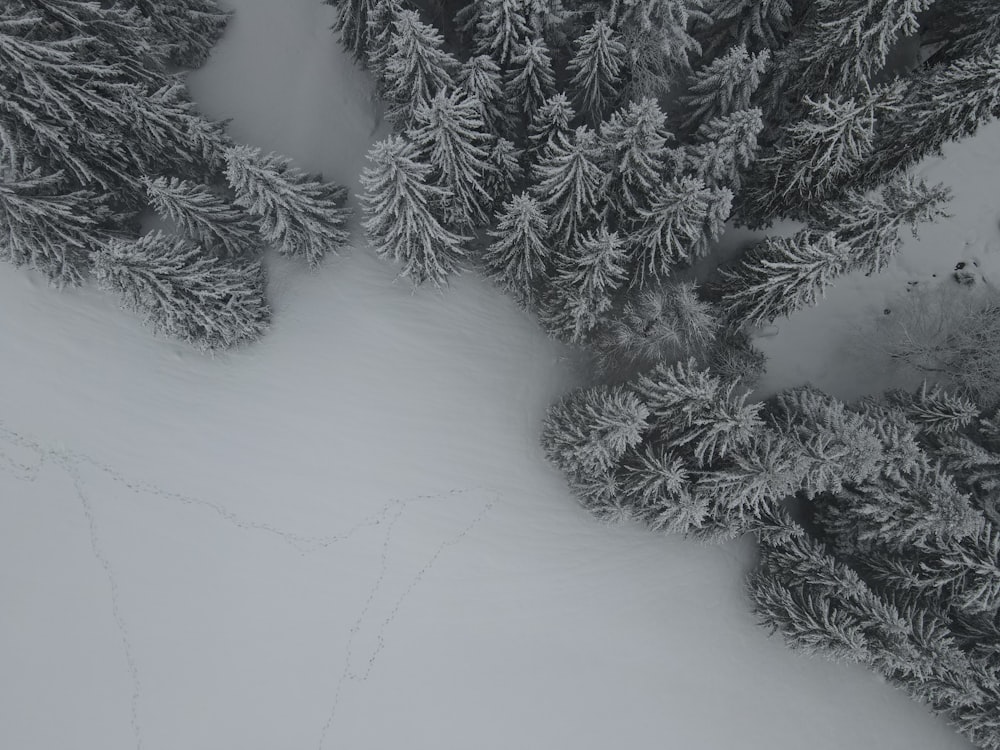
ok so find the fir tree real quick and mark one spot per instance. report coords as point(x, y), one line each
point(634, 148)
point(351, 25)
point(723, 87)
point(51, 229)
point(186, 29)
point(517, 258)
point(935, 410)
point(589, 431)
point(504, 171)
point(203, 215)
point(596, 70)
point(756, 24)
point(684, 217)
point(870, 225)
point(587, 278)
point(551, 119)
point(298, 213)
point(567, 183)
point(529, 80)
point(724, 149)
point(479, 78)
point(184, 293)
point(449, 134)
point(656, 484)
point(734, 357)
point(416, 67)
point(399, 204)
point(382, 38)
point(501, 30)
point(117, 33)
point(781, 275)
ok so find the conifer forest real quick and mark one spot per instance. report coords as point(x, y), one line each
point(656, 188)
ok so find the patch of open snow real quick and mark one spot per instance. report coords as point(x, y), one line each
point(346, 536)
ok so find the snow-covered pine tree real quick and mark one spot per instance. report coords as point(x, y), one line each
point(589, 431)
point(479, 78)
point(416, 66)
point(684, 217)
point(635, 153)
point(517, 258)
point(655, 485)
point(351, 24)
point(567, 184)
point(182, 292)
point(596, 68)
point(204, 216)
point(733, 356)
point(586, 280)
point(870, 224)
point(552, 118)
point(117, 33)
point(724, 149)
point(502, 28)
point(696, 413)
point(381, 29)
point(51, 228)
point(658, 325)
point(935, 410)
point(449, 134)
point(756, 24)
point(781, 275)
point(657, 35)
point(504, 172)
point(185, 29)
point(400, 204)
point(723, 86)
point(529, 80)
point(298, 213)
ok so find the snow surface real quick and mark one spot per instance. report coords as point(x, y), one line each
point(346, 536)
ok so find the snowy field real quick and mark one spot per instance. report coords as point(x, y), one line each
point(346, 536)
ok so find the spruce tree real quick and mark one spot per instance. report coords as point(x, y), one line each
point(416, 66)
point(634, 150)
point(352, 25)
point(870, 225)
point(184, 293)
point(203, 215)
point(596, 69)
point(51, 228)
point(781, 275)
point(723, 87)
point(587, 278)
point(298, 213)
point(185, 29)
point(724, 149)
point(501, 30)
point(400, 205)
point(517, 258)
point(551, 119)
point(683, 219)
point(935, 410)
point(529, 80)
point(479, 78)
point(756, 24)
point(655, 484)
point(449, 133)
point(504, 171)
point(567, 185)
point(588, 431)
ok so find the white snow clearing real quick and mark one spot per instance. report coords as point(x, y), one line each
point(346, 536)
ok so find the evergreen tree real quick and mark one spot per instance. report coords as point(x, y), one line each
point(50, 229)
point(551, 119)
point(567, 183)
point(382, 38)
point(634, 150)
point(416, 67)
point(587, 278)
point(781, 275)
point(656, 485)
point(734, 357)
point(184, 293)
point(589, 431)
point(117, 33)
point(596, 70)
point(935, 410)
point(529, 80)
point(870, 225)
point(298, 213)
point(658, 325)
point(516, 260)
point(449, 134)
point(756, 24)
point(723, 87)
point(185, 29)
point(963, 28)
point(203, 215)
point(724, 149)
point(502, 29)
point(504, 172)
point(695, 413)
point(684, 217)
point(351, 24)
point(480, 79)
point(399, 204)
